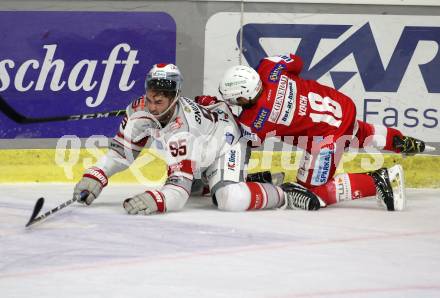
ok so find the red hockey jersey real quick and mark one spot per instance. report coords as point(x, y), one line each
point(291, 106)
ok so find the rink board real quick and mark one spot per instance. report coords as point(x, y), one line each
point(48, 165)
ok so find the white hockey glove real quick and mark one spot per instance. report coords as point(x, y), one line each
point(140, 125)
point(145, 203)
point(93, 181)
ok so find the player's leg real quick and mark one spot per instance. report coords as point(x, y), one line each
point(231, 192)
point(388, 138)
point(201, 188)
point(319, 165)
point(229, 189)
point(386, 184)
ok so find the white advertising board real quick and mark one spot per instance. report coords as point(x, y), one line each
point(388, 64)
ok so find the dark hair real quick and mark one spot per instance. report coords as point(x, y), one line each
point(167, 94)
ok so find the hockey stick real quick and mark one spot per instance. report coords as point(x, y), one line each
point(40, 202)
point(21, 119)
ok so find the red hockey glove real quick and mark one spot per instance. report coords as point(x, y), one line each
point(93, 181)
point(205, 100)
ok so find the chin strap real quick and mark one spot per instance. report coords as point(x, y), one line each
point(156, 118)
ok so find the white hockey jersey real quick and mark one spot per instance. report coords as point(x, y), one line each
point(191, 141)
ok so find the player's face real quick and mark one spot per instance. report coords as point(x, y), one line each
point(157, 102)
point(242, 101)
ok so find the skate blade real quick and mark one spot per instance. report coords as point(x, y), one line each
point(429, 148)
point(397, 180)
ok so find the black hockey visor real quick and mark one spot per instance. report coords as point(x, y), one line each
point(162, 84)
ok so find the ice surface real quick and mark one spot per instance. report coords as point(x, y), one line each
point(355, 249)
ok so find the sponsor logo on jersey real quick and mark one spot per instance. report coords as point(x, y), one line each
point(322, 167)
point(221, 115)
point(261, 118)
point(232, 160)
point(275, 73)
point(248, 134)
point(284, 105)
point(195, 109)
point(269, 95)
point(286, 58)
point(229, 138)
point(279, 99)
point(289, 104)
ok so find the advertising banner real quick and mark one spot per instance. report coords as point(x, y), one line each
point(55, 64)
point(388, 64)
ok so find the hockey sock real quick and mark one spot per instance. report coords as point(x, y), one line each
point(346, 187)
point(264, 196)
point(391, 133)
point(376, 135)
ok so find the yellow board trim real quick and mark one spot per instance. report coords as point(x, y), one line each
point(49, 165)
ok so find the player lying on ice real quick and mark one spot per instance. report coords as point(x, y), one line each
point(277, 102)
point(197, 142)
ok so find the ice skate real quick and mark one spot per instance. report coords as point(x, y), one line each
point(410, 146)
point(390, 187)
point(299, 197)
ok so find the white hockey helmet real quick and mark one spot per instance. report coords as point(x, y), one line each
point(240, 81)
point(164, 77)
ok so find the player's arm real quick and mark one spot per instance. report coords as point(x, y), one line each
point(123, 150)
point(172, 196)
point(271, 68)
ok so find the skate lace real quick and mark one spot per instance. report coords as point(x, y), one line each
point(381, 193)
point(298, 200)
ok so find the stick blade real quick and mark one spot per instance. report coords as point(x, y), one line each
point(38, 205)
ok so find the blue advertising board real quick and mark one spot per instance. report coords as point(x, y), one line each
point(67, 63)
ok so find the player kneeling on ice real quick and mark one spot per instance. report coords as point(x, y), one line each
point(197, 142)
point(321, 120)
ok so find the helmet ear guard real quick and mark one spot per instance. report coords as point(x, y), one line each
point(240, 81)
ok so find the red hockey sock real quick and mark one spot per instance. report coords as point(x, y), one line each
point(391, 133)
point(376, 135)
point(345, 187)
point(264, 195)
point(258, 196)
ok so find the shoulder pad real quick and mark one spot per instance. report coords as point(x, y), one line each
point(136, 105)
